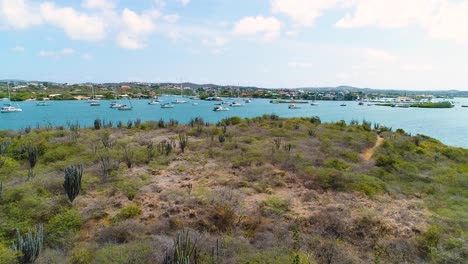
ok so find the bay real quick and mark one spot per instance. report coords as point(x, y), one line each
point(447, 125)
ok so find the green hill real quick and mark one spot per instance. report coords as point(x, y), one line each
point(261, 190)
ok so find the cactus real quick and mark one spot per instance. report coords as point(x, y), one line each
point(183, 141)
point(72, 183)
point(29, 246)
point(4, 145)
point(165, 148)
point(150, 151)
point(106, 140)
point(31, 174)
point(221, 138)
point(128, 156)
point(97, 124)
point(184, 250)
point(161, 123)
point(33, 154)
point(1, 191)
point(137, 122)
point(106, 165)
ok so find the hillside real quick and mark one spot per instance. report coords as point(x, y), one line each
point(261, 190)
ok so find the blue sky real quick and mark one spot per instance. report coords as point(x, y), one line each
point(394, 44)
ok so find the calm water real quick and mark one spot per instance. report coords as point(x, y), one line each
point(448, 125)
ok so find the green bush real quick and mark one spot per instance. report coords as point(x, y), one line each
point(128, 212)
point(7, 255)
point(134, 252)
point(386, 161)
point(81, 255)
point(57, 154)
point(367, 184)
point(336, 164)
point(62, 225)
point(331, 179)
point(129, 187)
point(429, 240)
point(275, 206)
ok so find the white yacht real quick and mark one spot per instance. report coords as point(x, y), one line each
point(7, 108)
point(153, 102)
point(293, 106)
point(220, 108)
point(115, 104)
point(125, 107)
point(179, 101)
point(167, 105)
point(235, 104)
point(94, 103)
point(42, 103)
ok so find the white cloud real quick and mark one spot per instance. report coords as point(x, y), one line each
point(18, 14)
point(173, 35)
point(442, 19)
point(87, 56)
point(63, 52)
point(451, 22)
point(389, 13)
point(380, 55)
point(269, 27)
point(160, 4)
point(303, 12)
point(135, 29)
point(77, 26)
point(300, 65)
point(172, 18)
point(67, 51)
point(414, 67)
point(18, 48)
point(98, 4)
point(184, 2)
point(216, 42)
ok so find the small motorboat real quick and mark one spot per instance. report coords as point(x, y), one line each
point(167, 105)
point(220, 108)
point(235, 104)
point(125, 107)
point(293, 106)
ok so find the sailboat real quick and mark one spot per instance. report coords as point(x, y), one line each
point(313, 102)
point(236, 104)
point(115, 104)
point(8, 108)
point(93, 101)
point(42, 103)
point(179, 101)
point(125, 107)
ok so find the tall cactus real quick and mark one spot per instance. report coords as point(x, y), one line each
point(183, 141)
point(29, 246)
point(72, 184)
point(184, 251)
point(4, 145)
point(33, 154)
point(1, 191)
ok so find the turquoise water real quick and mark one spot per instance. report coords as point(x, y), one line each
point(448, 125)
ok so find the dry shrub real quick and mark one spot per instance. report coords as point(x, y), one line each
point(122, 232)
point(332, 222)
point(223, 217)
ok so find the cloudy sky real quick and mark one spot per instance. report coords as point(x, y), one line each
point(403, 44)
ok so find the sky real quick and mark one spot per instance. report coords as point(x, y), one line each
point(386, 44)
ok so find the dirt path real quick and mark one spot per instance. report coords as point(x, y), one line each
point(368, 153)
